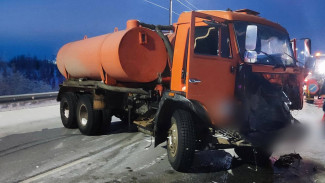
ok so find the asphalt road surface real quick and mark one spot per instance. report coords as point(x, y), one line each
point(34, 147)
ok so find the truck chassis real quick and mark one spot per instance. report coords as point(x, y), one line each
point(89, 105)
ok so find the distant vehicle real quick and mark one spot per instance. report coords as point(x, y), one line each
point(221, 79)
point(315, 79)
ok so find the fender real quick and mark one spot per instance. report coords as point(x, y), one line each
point(168, 103)
point(74, 89)
point(61, 91)
point(64, 89)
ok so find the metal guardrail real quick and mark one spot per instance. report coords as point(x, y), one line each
point(25, 97)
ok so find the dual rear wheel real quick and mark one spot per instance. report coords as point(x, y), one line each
point(79, 112)
point(67, 110)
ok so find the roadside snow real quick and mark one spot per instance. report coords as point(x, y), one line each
point(29, 119)
point(27, 104)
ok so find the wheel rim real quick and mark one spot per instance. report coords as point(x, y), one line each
point(65, 109)
point(83, 115)
point(172, 142)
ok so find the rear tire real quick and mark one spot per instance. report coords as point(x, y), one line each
point(105, 121)
point(68, 110)
point(87, 117)
point(181, 140)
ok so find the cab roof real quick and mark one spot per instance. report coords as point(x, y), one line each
point(239, 15)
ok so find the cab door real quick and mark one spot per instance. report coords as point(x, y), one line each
point(210, 76)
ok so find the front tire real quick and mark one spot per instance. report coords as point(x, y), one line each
point(87, 117)
point(181, 140)
point(68, 110)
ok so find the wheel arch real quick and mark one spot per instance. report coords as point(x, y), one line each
point(63, 90)
point(167, 106)
point(73, 90)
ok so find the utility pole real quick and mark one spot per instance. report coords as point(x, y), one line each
point(171, 12)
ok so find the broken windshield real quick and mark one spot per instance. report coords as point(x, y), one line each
point(272, 47)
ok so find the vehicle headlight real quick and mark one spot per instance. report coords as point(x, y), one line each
point(321, 68)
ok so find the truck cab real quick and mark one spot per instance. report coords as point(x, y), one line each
point(212, 46)
point(234, 71)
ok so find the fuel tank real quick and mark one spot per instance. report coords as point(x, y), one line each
point(136, 54)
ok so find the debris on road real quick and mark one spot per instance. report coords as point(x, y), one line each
point(285, 161)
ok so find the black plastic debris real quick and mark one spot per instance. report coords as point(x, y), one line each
point(285, 161)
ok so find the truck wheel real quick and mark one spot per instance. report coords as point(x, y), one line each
point(68, 110)
point(105, 121)
point(181, 140)
point(87, 117)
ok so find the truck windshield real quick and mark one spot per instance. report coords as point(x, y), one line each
point(272, 47)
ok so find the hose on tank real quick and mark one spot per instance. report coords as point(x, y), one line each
point(153, 27)
point(158, 29)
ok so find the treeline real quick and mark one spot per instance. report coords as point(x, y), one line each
point(25, 74)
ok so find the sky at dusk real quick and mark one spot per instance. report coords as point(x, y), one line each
point(40, 27)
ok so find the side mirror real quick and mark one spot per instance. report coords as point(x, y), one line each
point(309, 61)
point(251, 37)
point(307, 47)
point(302, 52)
point(294, 47)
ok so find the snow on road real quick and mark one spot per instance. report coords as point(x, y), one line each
point(35, 147)
point(29, 119)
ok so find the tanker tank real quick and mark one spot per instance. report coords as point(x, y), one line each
point(136, 54)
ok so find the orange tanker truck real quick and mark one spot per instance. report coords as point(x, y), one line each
point(214, 79)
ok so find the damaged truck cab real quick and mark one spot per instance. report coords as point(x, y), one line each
point(230, 81)
point(231, 70)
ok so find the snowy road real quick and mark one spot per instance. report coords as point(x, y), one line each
point(34, 147)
